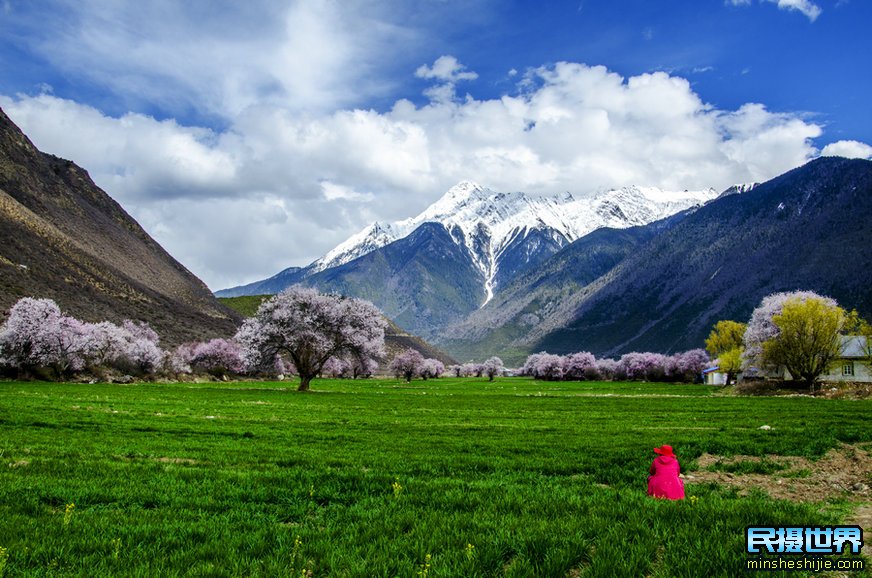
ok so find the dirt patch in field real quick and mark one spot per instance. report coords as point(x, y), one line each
point(186, 461)
point(844, 472)
point(840, 390)
point(162, 460)
point(862, 517)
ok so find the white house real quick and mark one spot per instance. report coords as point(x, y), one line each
point(853, 364)
point(714, 376)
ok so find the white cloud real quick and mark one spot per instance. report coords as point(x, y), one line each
point(806, 7)
point(222, 57)
point(446, 69)
point(335, 192)
point(850, 149)
point(279, 187)
point(447, 72)
point(810, 9)
point(135, 156)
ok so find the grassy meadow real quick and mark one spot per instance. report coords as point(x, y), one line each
point(378, 478)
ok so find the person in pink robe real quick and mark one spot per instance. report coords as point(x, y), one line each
point(664, 481)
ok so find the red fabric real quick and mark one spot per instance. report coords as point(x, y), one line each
point(664, 481)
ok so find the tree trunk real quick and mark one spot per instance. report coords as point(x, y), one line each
point(304, 382)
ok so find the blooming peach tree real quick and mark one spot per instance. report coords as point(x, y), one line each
point(407, 364)
point(310, 328)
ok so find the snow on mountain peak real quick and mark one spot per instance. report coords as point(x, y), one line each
point(486, 221)
point(738, 189)
point(369, 239)
point(464, 189)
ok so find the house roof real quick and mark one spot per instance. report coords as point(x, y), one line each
point(854, 347)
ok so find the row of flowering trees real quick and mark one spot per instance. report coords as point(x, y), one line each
point(410, 363)
point(685, 367)
point(37, 339)
point(299, 331)
point(490, 369)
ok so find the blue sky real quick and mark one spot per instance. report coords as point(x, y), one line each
point(248, 137)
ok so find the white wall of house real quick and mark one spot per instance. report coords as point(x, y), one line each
point(715, 378)
point(849, 370)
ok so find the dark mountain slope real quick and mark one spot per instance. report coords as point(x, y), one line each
point(275, 284)
point(502, 325)
point(526, 252)
point(64, 238)
point(807, 229)
point(396, 339)
point(422, 282)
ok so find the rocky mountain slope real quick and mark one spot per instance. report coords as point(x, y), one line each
point(807, 229)
point(64, 238)
point(504, 324)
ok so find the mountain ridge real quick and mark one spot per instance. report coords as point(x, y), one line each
point(64, 238)
point(503, 232)
point(718, 263)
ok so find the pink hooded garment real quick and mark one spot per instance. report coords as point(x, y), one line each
point(664, 481)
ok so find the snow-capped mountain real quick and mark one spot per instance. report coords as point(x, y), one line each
point(738, 189)
point(482, 273)
point(499, 229)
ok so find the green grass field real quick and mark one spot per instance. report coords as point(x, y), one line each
point(448, 478)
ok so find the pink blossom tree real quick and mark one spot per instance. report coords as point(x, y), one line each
point(606, 368)
point(179, 361)
point(493, 367)
point(407, 364)
point(578, 365)
point(364, 367)
point(217, 357)
point(470, 369)
point(37, 335)
point(24, 343)
point(335, 367)
point(529, 367)
point(103, 344)
point(645, 366)
point(549, 367)
point(432, 368)
point(142, 353)
point(687, 366)
point(311, 327)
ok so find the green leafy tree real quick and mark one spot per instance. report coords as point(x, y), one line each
point(808, 338)
point(726, 344)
